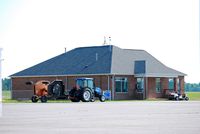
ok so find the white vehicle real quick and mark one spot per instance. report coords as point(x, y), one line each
point(177, 96)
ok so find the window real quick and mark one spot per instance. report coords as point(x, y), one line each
point(140, 67)
point(121, 84)
point(158, 85)
point(90, 84)
point(179, 85)
point(171, 84)
point(140, 85)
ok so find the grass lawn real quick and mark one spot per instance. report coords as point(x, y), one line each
point(193, 95)
point(6, 94)
point(7, 98)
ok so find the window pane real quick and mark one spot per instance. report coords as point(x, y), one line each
point(118, 85)
point(125, 85)
point(121, 84)
point(171, 84)
point(140, 84)
point(90, 84)
point(158, 85)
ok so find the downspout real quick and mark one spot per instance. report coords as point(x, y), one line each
point(146, 87)
point(66, 85)
point(113, 87)
point(109, 86)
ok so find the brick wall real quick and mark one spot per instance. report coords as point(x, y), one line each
point(152, 87)
point(22, 91)
point(131, 89)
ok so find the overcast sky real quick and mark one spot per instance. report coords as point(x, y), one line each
point(32, 31)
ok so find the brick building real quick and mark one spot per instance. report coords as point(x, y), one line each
point(127, 73)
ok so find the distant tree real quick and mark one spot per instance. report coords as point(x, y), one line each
point(6, 84)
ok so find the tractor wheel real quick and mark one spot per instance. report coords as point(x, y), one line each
point(86, 95)
point(102, 98)
point(186, 98)
point(176, 98)
point(43, 99)
point(34, 98)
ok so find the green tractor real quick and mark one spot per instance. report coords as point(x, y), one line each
point(85, 91)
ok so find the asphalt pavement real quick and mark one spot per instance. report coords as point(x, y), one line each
point(124, 117)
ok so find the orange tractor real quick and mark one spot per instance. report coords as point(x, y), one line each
point(45, 90)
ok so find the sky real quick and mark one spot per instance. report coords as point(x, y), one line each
point(32, 31)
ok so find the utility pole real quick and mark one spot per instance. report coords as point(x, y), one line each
point(0, 76)
point(0, 84)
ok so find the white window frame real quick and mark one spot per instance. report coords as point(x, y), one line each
point(158, 90)
point(121, 79)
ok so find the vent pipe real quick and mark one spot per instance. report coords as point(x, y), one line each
point(96, 56)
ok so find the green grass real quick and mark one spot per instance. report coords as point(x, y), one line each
point(6, 94)
point(193, 95)
point(7, 98)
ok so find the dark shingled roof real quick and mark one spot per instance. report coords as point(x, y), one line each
point(100, 60)
point(85, 60)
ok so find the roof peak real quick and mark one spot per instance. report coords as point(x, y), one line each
point(94, 46)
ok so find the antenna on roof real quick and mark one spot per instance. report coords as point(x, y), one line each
point(104, 42)
point(109, 40)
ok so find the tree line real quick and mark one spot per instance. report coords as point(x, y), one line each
point(6, 84)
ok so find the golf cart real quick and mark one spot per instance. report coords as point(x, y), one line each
point(177, 96)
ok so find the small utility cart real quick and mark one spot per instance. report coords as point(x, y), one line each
point(177, 96)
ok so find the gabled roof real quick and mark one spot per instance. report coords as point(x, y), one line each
point(99, 60)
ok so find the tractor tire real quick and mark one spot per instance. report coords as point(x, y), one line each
point(86, 95)
point(187, 98)
point(34, 98)
point(43, 99)
point(102, 98)
point(56, 89)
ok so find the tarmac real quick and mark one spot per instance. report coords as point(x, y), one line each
point(123, 117)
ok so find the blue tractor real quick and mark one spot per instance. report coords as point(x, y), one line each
point(85, 91)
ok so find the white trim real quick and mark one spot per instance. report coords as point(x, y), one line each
point(135, 75)
point(158, 75)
